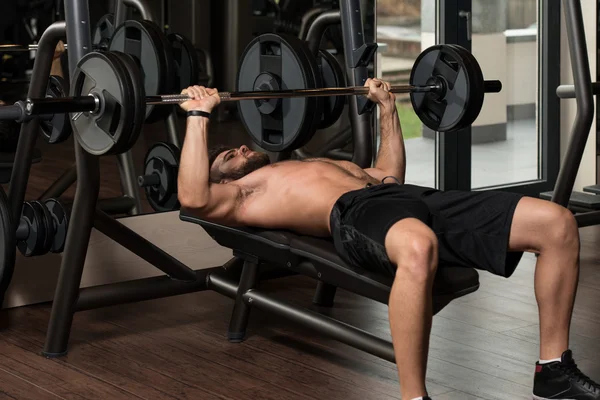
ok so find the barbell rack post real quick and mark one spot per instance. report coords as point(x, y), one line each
point(77, 17)
point(28, 135)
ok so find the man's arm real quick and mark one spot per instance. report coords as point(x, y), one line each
point(195, 191)
point(391, 157)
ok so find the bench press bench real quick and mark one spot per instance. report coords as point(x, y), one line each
point(318, 259)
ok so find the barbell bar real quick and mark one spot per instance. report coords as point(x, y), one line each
point(93, 103)
point(17, 48)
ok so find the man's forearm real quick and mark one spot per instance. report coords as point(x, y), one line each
point(391, 157)
point(194, 170)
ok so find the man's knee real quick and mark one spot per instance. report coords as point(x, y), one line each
point(413, 248)
point(561, 228)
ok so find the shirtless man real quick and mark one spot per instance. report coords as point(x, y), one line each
point(378, 222)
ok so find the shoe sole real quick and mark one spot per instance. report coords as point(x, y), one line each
point(546, 398)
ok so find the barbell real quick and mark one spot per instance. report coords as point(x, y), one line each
point(93, 102)
point(20, 48)
point(108, 102)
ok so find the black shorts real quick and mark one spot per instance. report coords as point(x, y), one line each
point(472, 228)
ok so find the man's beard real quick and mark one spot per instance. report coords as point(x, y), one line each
point(254, 162)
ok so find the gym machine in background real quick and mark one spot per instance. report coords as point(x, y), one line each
point(585, 205)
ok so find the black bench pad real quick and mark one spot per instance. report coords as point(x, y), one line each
point(318, 258)
point(449, 281)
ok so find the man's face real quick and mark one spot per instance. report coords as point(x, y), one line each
point(234, 164)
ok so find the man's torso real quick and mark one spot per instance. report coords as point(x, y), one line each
point(298, 195)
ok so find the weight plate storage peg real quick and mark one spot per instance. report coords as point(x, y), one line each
point(58, 129)
point(459, 103)
point(160, 177)
point(279, 62)
point(145, 42)
point(108, 129)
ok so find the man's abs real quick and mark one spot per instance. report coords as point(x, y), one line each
point(299, 196)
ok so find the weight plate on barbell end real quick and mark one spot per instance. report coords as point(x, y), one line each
point(130, 135)
point(147, 45)
point(139, 97)
point(478, 90)
point(450, 111)
point(187, 63)
point(163, 159)
point(58, 129)
point(108, 131)
point(168, 78)
point(34, 243)
point(60, 224)
point(332, 75)
point(283, 60)
point(7, 242)
point(103, 32)
point(47, 227)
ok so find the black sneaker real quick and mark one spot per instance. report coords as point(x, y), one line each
point(562, 380)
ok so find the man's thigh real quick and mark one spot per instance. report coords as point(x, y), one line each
point(359, 235)
point(473, 229)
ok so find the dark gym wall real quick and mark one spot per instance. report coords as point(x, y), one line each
point(191, 18)
point(231, 30)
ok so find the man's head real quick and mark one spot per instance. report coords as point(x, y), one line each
point(229, 164)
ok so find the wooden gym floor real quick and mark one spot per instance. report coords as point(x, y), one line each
point(483, 346)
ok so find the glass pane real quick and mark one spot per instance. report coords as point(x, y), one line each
point(404, 29)
point(505, 137)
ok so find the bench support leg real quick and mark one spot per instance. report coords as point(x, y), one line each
point(324, 295)
point(241, 310)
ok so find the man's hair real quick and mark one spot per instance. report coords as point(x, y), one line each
point(213, 153)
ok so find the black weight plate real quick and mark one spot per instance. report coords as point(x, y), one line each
point(161, 113)
point(109, 129)
point(58, 129)
point(163, 160)
point(123, 145)
point(47, 227)
point(313, 66)
point(34, 243)
point(103, 32)
point(478, 87)
point(139, 96)
point(186, 61)
point(7, 241)
point(140, 40)
point(291, 122)
point(60, 224)
point(444, 113)
point(332, 75)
